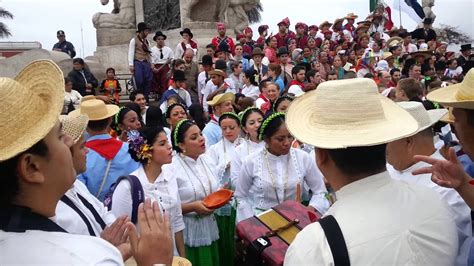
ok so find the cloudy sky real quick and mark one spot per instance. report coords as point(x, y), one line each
point(38, 20)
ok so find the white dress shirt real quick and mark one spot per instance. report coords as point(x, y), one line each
point(131, 52)
point(196, 179)
point(156, 55)
point(295, 90)
point(384, 222)
point(461, 212)
point(251, 91)
point(73, 97)
point(164, 191)
point(180, 52)
point(258, 186)
point(35, 247)
point(71, 221)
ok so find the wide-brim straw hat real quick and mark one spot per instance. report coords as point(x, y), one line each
point(387, 56)
point(424, 118)
point(351, 16)
point(95, 110)
point(459, 95)
point(449, 117)
point(394, 41)
point(220, 98)
point(31, 104)
point(348, 113)
point(218, 72)
point(74, 126)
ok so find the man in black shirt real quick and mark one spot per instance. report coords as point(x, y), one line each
point(63, 45)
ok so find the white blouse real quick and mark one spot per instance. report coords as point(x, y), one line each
point(267, 180)
point(197, 179)
point(221, 154)
point(251, 91)
point(246, 148)
point(71, 221)
point(164, 191)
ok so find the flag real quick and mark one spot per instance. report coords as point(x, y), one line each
point(411, 7)
point(372, 5)
point(387, 14)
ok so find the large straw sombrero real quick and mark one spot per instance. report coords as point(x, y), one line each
point(348, 113)
point(31, 104)
point(95, 110)
point(74, 126)
point(459, 95)
point(424, 118)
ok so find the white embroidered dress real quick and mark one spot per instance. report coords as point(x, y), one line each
point(259, 189)
point(197, 179)
point(221, 154)
point(246, 148)
point(164, 191)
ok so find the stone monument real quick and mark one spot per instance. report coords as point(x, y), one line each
point(115, 29)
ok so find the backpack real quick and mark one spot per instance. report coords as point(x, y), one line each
point(138, 195)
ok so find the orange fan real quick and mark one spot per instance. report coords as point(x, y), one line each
point(218, 199)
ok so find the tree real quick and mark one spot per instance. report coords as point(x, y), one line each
point(451, 34)
point(4, 31)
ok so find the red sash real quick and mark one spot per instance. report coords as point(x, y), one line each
point(107, 148)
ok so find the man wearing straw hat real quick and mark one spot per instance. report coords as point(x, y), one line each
point(78, 211)
point(450, 173)
point(376, 220)
point(108, 158)
point(221, 103)
point(401, 163)
point(36, 169)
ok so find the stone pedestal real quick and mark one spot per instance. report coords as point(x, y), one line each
point(107, 37)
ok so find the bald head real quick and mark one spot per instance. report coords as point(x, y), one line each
point(188, 55)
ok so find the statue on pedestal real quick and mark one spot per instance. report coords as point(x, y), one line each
point(427, 6)
point(122, 16)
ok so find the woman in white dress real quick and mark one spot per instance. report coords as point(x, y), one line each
point(221, 153)
point(197, 178)
point(277, 173)
point(251, 119)
point(151, 148)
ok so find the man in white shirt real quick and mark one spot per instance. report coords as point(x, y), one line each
point(296, 86)
point(210, 87)
point(161, 57)
point(401, 165)
point(204, 76)
point(37, 169)
point(382, 221)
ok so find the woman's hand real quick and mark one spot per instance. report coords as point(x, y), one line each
point(200, 208)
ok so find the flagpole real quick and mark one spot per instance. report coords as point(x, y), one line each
point(400, 12)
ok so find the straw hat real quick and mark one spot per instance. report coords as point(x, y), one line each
point(348, 113)
point(459, 95)
point(74, 126)
point(325, 23)
point(394, 41)
point(449, 117)
point(218, 72)
point(387, 56)
point(424, 118)
point(220, 98)
point(88, 97)
point(351, 16)
point(31, 104)
point(95, 110)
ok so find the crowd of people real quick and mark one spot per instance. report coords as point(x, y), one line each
point(366, 123)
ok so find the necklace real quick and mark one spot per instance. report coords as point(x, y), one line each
point(265, 154)
point(199, 179)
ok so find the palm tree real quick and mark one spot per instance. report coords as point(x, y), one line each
point(4, 31)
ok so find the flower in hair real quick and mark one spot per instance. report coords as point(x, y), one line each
point(138, 145)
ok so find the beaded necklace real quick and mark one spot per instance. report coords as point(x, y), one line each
point(265, 154)
point(181, 160)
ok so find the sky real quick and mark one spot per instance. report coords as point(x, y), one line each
point(38, 20)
